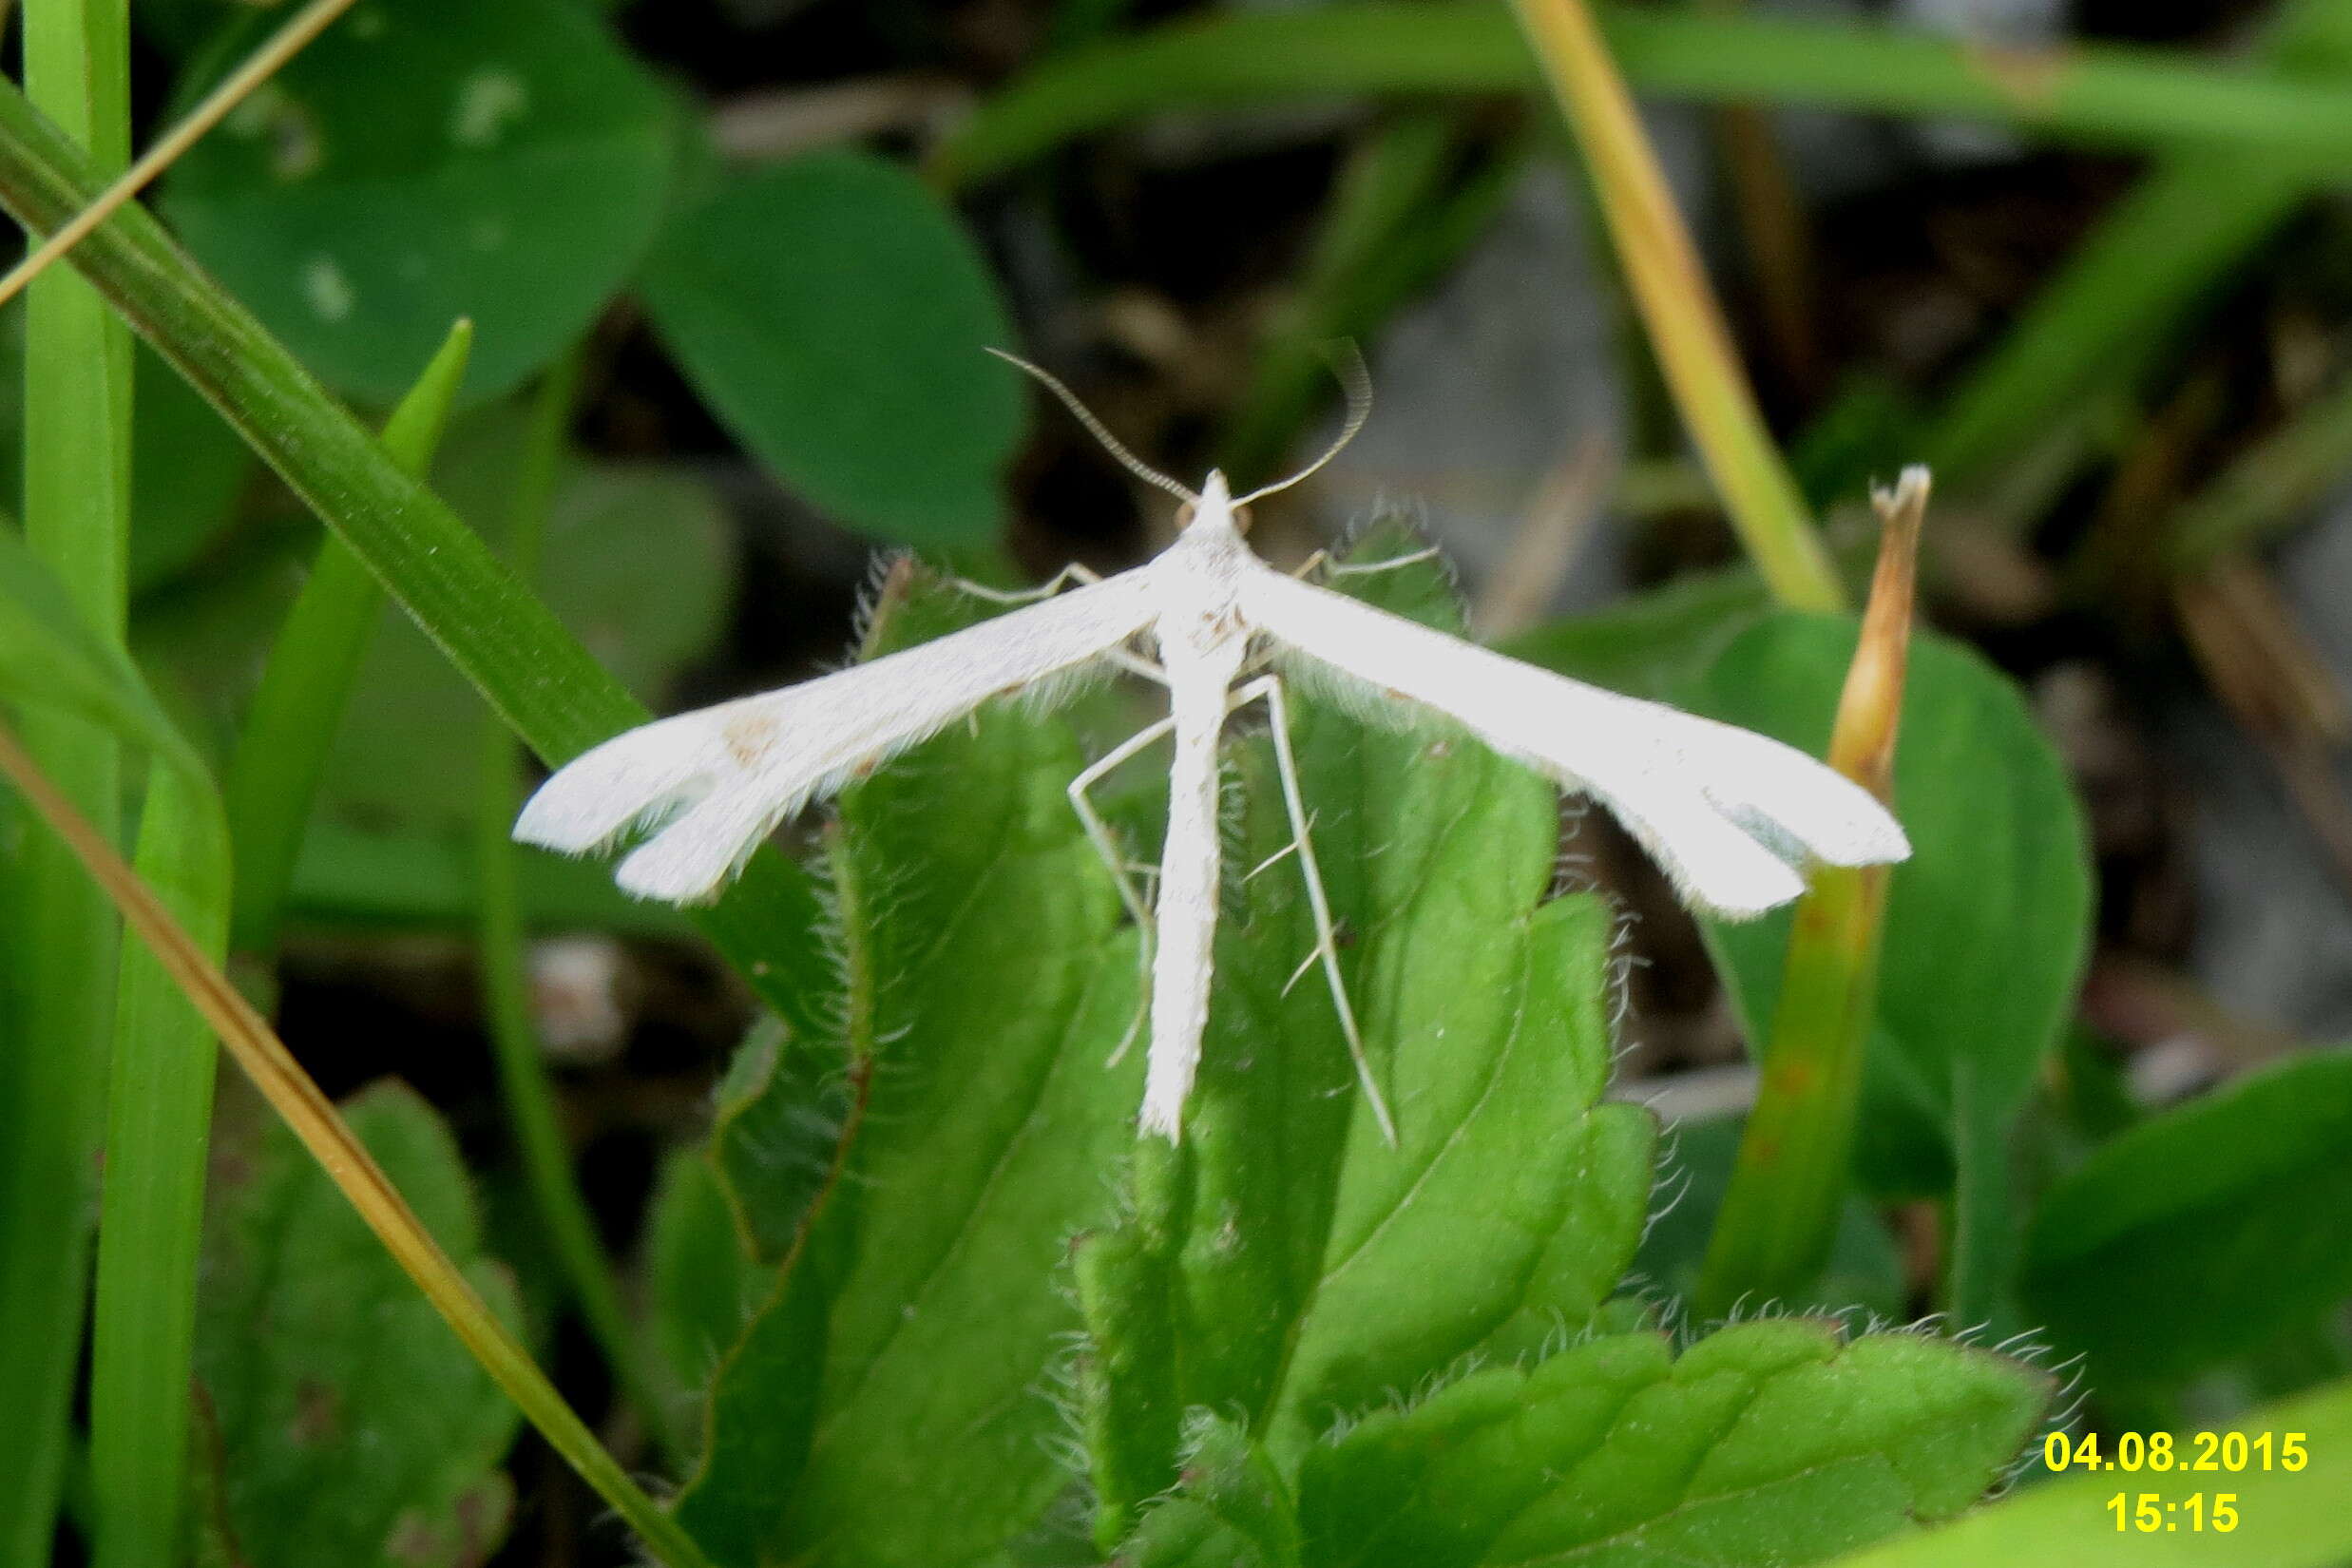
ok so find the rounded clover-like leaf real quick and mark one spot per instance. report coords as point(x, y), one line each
point(833, 313)
point(427, 161)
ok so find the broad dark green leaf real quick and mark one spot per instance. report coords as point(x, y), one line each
point(348, 1426)
point(889, 1399)
point(1764, 1445)
point(1653, 643)
point(833, 313)
point(2198, 1233)
point(428, 159)
point(1987, 923)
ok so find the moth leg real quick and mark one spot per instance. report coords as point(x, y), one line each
point(1268, 687)
point(1134, 663)
point(1320, 561)
point(1106, 846)
point(1350, 568)
point(1052, 586)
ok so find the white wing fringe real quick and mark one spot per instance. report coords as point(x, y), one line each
point(718, 781)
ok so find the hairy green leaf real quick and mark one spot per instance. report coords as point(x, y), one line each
point(702, 1282)
point(1303, 1268)
point(888, 1400)
point(833, 313)
point(2200, 1233)
point(431, 160)
point(1766, 1443)
point(1233, 1508)
point(349, 1426)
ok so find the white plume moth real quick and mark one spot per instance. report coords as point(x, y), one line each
point(1731, 815)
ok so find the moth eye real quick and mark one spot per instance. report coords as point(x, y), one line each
point(1185, 511)
point(1241, 519)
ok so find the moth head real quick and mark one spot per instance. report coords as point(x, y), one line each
point(1213, 507)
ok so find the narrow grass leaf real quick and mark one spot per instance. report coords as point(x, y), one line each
point(1781, 1210)
point(63, 940)
point(559, 1208)
point(504, 641)
point(159, 1116)
point(1412, 198)
point(2165, 247)
point(187, 468)
point(346, 1160)
point(1678, 303)
point(282, 752)
point(2095, 93)
point(640, 564)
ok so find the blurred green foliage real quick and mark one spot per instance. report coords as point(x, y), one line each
point(920, 1298)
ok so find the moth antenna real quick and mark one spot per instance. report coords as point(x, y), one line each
point(1347, 364)
point(1126, 459)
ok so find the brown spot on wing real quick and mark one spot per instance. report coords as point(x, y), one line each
point(748, 736)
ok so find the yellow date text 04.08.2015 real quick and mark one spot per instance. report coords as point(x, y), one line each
point(2152, 1513)
point(2222, 1452)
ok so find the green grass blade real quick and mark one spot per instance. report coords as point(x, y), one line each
point(502, 639)
point(2271, 486)
point(283, 753)
point(52, 1080)
point(506, 984)
point(2099, 94)
point(2153, 258)
point(151, 1217)
point(164, 1059)
point(347, 1161)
